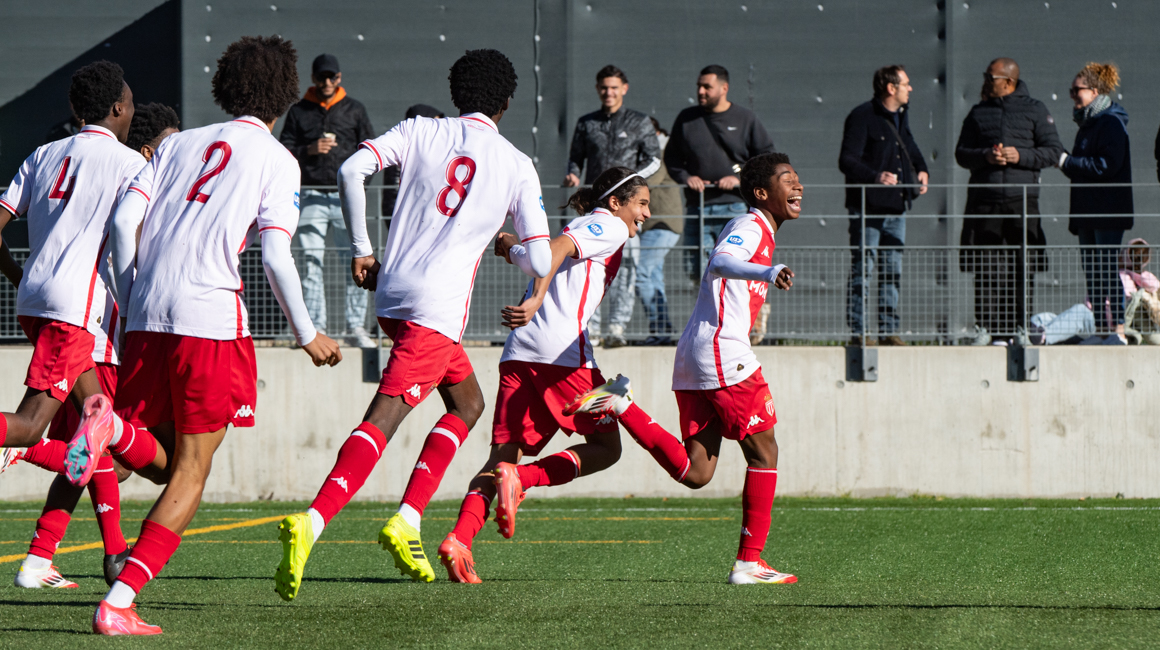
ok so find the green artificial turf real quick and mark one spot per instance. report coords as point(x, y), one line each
point(640, 573)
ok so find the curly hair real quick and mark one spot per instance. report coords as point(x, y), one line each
point(1104, 77)
point(587, 199)
point(94, 90)
point(481, 81)
point(757, 172)
point(149, 121)
point(257, 76)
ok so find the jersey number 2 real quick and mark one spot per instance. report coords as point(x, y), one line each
point(195, 193)
point(454, 184)
point(57, 192)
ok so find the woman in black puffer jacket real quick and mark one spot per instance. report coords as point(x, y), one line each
point(1101, 155)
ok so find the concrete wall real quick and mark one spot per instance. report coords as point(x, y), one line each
point(939, 421)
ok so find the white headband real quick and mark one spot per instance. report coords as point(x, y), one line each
point(613, 188)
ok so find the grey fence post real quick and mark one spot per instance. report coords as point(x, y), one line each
point(701, 233)
point(862, 267)
point(1023, 361)
point(1026, 265)
point(862, 361)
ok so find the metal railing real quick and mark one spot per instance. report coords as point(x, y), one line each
point(930, 290)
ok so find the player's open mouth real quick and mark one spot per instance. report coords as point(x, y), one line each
point(795, 202)
point(639, 223)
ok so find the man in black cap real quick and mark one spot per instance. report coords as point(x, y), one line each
point(322, 131)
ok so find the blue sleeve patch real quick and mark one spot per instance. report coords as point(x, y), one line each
point(595, 229)
point(734, 239)
point(296, 201)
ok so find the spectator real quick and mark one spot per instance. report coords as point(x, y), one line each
point(710, 142)
point(322, 131)
point(391, 174)
point(878, 148)
point(1006, 138)
point(614, 136)
point(1101, 155)
point(660, 234)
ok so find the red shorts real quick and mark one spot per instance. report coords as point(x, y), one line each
point(65, 422)
point(201, 385)
point(737, 411)
point(61, 352)
point(532, 397)
point(421, 359)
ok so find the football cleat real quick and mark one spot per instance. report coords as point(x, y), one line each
point(603, 399)
point(121, 621)
point(114, 564)
point(509, 495)
point(46, 578)
point(456, 558)
point(9, 456)
point(296, 532)
point(758, 573)
point(90, 441)
point(402, 541)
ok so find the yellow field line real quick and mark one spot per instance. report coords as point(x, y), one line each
point(192, 531)
point(574, 541)
point(530, 518)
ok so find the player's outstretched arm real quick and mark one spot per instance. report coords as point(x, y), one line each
point(287, 286)
point(724, 265)
point(561, 248)
point(128, 216)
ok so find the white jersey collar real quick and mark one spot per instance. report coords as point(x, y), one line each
point(253, 121)
point(93, 128)
point(480, 117)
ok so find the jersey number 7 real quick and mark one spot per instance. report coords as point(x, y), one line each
point(195, 193)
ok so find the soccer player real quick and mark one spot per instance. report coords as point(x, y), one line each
point(460, 180)
point(547, 360)
point(717, 379)
point(188, 369)
point(67, 190)
point(150, 125)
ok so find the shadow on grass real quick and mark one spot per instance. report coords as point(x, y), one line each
point(868, 606)
point(43, 630)
point(373, 580)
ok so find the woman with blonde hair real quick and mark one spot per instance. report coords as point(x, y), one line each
point(1100, 215)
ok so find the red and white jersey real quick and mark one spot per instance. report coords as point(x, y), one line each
point(459, 182)
point(68, 189)
point(558, 333)
point(103, 324)
point(210, 191)
point(714, 350)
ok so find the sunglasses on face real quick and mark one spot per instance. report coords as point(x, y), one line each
point(987, 76)
point(1074, 90)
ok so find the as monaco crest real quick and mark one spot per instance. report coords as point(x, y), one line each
point(769, 405)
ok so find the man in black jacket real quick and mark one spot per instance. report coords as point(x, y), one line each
point(322, 131)
point(1006, 138)
point(878, 148)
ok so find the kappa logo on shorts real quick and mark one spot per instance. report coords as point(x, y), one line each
point(754, 420)
point(62, 385)
point(414, 391)
point(734, 239)
point(595, 229)
point(102, 508)
point(341, 482)
point(423, 466)
point(245, 412)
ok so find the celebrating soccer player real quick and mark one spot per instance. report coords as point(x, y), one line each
point(547, 361)
point(717, 379)
point(460, 180)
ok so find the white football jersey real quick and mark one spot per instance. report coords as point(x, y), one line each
point(558, 333)
point(459, 181)
point(103, 325)
point(68, 189)
point(714, 350)
point(210, 190)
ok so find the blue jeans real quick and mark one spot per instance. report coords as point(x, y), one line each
point(1100, 269)
point(880, 231)
point(716, 216)
point(650, 278)
point(321, 211)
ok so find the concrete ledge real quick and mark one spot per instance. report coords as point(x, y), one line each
point(938, 421)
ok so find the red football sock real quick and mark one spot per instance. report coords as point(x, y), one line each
point(3, 428)
point(556, 469)
point(472, 516)
point(662, 445)
point(756, 503)
point(106, 496)
point(153, 549)
point(438, 450)
point(48, 454)
point(136, 449)
point(50, 529)
point(356, 459)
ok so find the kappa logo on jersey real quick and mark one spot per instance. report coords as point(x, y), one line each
point(423, 466)
point(245, 412)
point(102, 508)
point(62, 385)
point(341, 482)
point(735, 239)
point(754, 420)
point(414, 391)
point(765, 251)
point(595, 229)
point(759, 288)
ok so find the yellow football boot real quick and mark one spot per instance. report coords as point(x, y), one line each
point(402, 540)
point(297, 535)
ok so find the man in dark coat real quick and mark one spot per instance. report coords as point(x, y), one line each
point(878, 148)
point(1006, 138)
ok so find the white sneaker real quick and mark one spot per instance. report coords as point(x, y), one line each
point(758, 573)
point(46, 578)
point(9, 456)
point(360, 338)
point(613, 396)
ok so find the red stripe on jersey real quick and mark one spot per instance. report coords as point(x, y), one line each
point(579, 253)
point(717, 336)
point(534, 238)
point(95, 131)
point(141, 192)
point(112, 333)
point(467, 305)
point(483, 122)
point(580, 311)
point(238, 296)
point(251, 123)
point(262, 230)
point(93, 280)
point(9, 208)
point(366, 144)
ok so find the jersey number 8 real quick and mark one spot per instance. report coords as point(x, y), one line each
point(454, 184)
